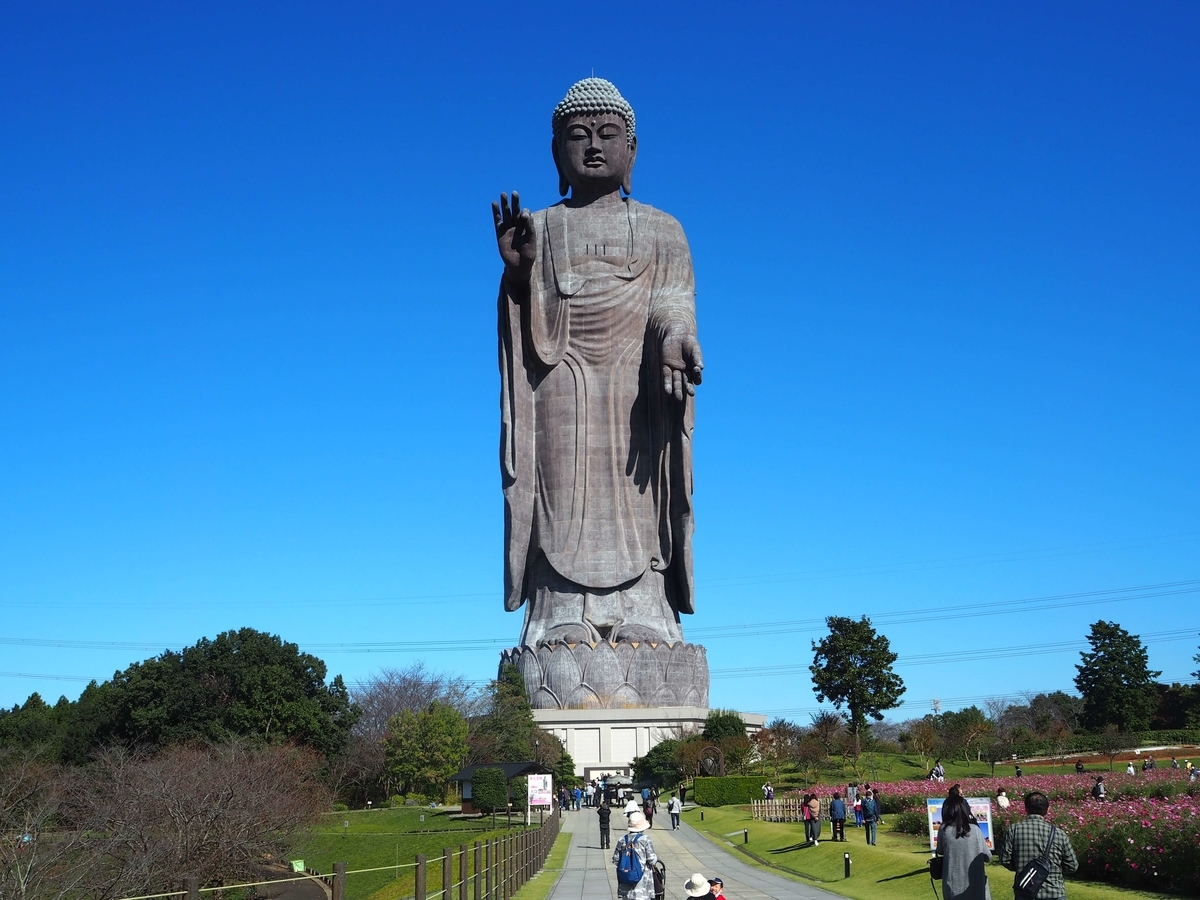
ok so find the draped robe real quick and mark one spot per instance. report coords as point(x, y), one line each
point(595, 457)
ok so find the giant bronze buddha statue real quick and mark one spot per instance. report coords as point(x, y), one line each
point(599, 361)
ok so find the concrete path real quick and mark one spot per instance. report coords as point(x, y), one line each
point(589, 874)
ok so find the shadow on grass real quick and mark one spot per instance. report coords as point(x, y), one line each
point(791, 848)
point(924, 871)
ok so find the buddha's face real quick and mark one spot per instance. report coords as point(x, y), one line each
point(593, 153)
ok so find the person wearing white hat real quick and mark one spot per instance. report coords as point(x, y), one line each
point(697, 886)
point(635, 844)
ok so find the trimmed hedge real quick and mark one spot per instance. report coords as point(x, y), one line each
point(726, 790)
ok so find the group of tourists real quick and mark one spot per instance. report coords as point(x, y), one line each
point(862, 801)
point(589, 795)
point(1039, 853)
point(645, 811)
point(639, 874)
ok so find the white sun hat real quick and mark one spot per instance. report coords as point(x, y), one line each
point(696, 886)
point(637, 822)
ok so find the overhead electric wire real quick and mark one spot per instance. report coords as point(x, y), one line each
point(883, 619)
point(969, 655)
point(867, 569)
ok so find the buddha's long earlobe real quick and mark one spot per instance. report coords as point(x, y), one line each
point(563, 186)
point(627, 181)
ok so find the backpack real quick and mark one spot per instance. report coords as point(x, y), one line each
point(629, 866)
point(1035, 872)
point(1098, 791)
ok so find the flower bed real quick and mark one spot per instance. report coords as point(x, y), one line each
point(897, 796)
point(1145, 835)
point(1141, 843)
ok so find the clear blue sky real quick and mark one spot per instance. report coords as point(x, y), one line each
point(948, 269)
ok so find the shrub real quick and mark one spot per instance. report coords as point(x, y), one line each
point(911, 822)
point(725, 790)
point(340, 807)
point(489, 790)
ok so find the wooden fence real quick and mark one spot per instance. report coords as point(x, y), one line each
point(485, 870)
point(786, 809)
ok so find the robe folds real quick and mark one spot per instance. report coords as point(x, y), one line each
point(595, 456)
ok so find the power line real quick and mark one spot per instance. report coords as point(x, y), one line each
point(967, 611)
point(1157, 637)
point(865, 569)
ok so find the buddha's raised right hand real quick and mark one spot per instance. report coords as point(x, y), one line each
point(516, 238)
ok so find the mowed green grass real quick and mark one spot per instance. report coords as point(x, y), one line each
point(381, 839)
point(895, 868)
point(900, 767)
point(903, 767)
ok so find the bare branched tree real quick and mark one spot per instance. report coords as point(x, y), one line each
point(211, 812)
point(828, 728)
point(37, 862)
point(363, 771)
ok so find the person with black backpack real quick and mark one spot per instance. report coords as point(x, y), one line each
point(1038, 852)
point(634, 858)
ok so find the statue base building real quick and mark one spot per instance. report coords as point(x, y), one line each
point(617, 676)
point(606, 741)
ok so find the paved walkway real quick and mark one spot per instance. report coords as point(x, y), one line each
point(589, 874)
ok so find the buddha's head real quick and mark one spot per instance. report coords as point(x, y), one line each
point(595, 141)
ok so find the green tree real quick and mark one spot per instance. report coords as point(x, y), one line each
point(36, 724)
point(1115, 680)
point(659, 765)
point(506, 732)
point(964, 730)
point(424, 749)
point(852, 669)
point(243, 683)
point(723, 723)
point(563, 771)
point(489, 790)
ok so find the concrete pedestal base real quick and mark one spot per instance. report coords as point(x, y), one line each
point(605, 741)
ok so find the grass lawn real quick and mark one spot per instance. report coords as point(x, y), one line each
point(538, 887)
point(901, 767)
point(894, 868)
point(386, 838)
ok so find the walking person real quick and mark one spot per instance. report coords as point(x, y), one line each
point(640, 851)
point(870, 815)
point(814, 807)
point(837, 818)
point(852, 803)
point(605, 815)
point(1034, 837)
point(674, 808)
point(964, 851)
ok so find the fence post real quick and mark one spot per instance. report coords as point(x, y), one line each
point(488, 856)
point(478, 871)
point(191, 884)
point(447, 872)
point(507, 867)
point(339, 881)
point(462, 872)
point(419, 890)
